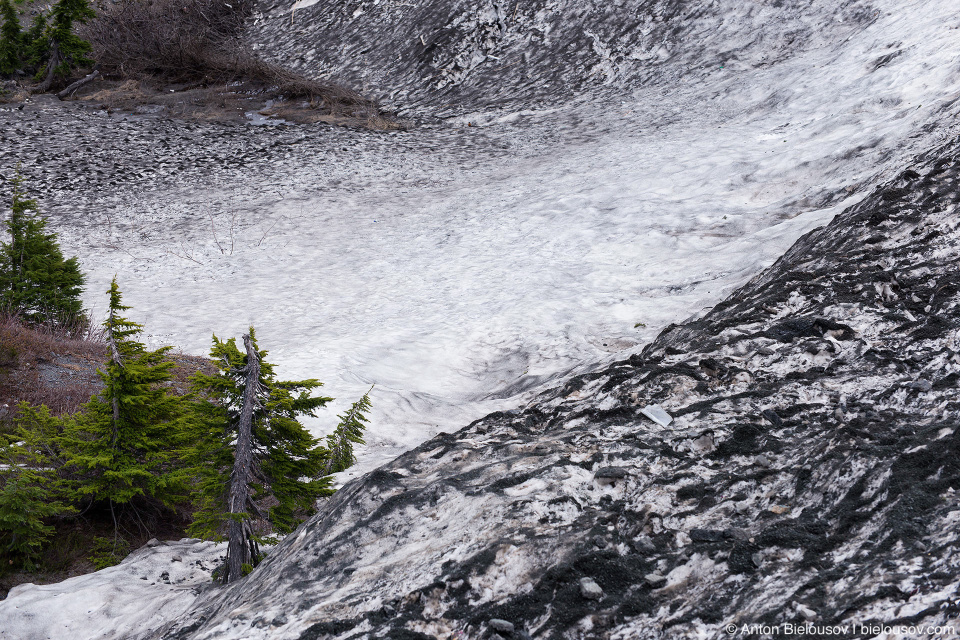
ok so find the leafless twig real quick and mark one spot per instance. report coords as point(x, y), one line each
point(213, 228)
point(233, 223)
point(185, 256)
point(264, 236)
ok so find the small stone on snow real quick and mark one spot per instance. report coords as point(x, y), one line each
point(609, 475)
point(654, 579)
point(503, 626)
point(656, 413)
point(644, 543)
point(589, 589)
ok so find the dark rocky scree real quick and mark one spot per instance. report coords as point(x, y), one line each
point(810, 474)
point(92, 168)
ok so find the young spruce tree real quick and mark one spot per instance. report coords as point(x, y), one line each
point(36, 282)
point(12, 45)
point(65, 49)
point(35, 42)
point(249, 446)
point(122, 444)
point(31, 490)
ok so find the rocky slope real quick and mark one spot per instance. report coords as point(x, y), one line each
point(809, 475)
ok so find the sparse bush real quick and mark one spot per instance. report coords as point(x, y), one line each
point(193, 41)
point(107, 553)
point(181, 41)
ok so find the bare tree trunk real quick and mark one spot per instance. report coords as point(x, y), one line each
point(115, 401)
point(52, 65)
point(240, 548)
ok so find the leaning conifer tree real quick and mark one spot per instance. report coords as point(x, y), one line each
point(122, 444)
point(249, 446)
point(348, 433)
point(36, 282)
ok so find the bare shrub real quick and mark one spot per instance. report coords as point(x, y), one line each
point(180, 40)
point(196, 41)
point(44, 365)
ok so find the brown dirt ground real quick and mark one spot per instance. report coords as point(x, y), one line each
point(38, 366)
point(236, 102)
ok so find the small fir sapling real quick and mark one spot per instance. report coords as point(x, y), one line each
point(36, 282)
point(122, 444)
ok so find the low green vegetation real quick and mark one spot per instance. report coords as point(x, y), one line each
point(228, 456)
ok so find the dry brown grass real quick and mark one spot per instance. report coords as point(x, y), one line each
point(43, 366)
point(39, 365)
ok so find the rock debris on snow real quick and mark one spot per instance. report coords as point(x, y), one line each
point(589, 589)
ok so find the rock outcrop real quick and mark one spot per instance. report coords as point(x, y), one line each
point(810, 473)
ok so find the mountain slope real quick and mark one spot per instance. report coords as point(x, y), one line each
point(810, 474)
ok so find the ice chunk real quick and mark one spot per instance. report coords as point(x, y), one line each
point(656, 413)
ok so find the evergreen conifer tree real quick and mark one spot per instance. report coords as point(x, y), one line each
point(35, 41)
point(348, 432)
point(121, 445)
point(72, 48)
point(36, 282)
point(64, 49)
point(281, 461)
point(31, 491)
point(12, 48)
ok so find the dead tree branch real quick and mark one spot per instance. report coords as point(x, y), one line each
point(69, 91)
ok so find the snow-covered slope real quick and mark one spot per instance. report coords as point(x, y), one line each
point(141, 593)
point(580, 168)
point(809, 476)
point(458, 266)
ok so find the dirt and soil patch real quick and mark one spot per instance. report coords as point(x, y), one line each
point(187, 60)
